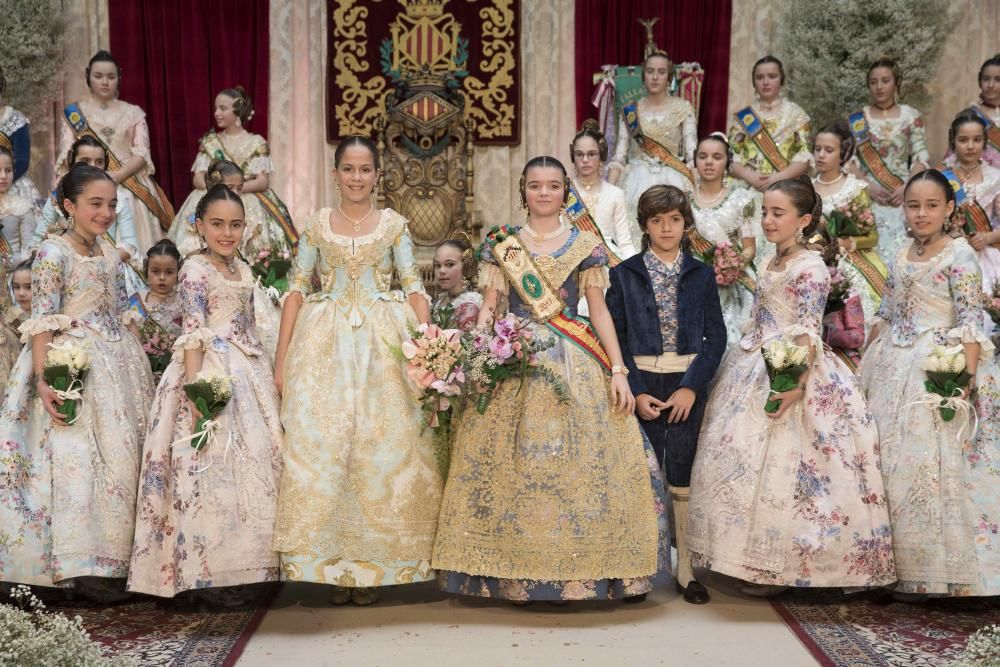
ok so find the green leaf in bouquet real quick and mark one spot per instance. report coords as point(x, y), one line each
point(947, 385)
point(60, 379)
point(781, 382)
point(839, 224)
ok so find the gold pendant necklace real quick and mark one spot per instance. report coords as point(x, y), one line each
point(355, 224)
point(83, 242)
point(229, 263)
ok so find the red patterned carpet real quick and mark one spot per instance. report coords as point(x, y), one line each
point(169, 633)
point(852, 631)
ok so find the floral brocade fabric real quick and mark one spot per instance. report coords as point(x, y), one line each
point(67, 493)
point(544, 496)
point(361, 490)
point(942, 478)
point(798, 500)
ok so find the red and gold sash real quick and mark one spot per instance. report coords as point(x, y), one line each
point(868, 154)
point(762, 139)
point(579, 215)
point(870, 271)
point(992, 131)
point(538, 295)
point(650, 146)
point(274, 206)
point(160, 206)
point(706, 248)
point(976, 219)
point(5, 142)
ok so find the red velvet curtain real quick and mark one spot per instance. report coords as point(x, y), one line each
point(608, 33)
point(175, 57)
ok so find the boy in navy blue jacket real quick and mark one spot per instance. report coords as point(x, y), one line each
point(665, 304)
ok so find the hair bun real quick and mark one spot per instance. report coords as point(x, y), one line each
point(590, 124)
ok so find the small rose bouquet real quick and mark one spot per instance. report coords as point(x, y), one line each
point(210, 393)
point(946, 376)
point(434, 364)
point(855, 219)
point(785, 362)
point(727, 261)
point(66, 366)
point(271, 266)
point(508, 350)
point(158, 345)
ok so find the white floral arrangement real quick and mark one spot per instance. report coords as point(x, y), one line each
point(982, 649)
point(827, 46)
point(31, 636)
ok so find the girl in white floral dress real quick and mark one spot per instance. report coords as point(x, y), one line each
point(940, 476)
point(792, 498)
point(205, 518)
point(67, 496)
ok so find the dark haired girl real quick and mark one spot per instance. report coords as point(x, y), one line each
point(205, 516)
point(850, 234)
point(457, 303)
point(269, 225)
point(967, 140)
point(770, 138)
point(666, 310)
point(940, 475)
point(361, 489)
point(793, 496)
point(159, 307)
point(121, 127)
point(988, 106)
point(67, 516)
point(561, 456)
point(896, 147)
point(90, 151)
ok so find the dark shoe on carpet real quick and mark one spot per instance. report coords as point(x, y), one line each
point(694, 592)
point(635, 599)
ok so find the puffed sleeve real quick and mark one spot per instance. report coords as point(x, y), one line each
point(125, 235)
point(304, 265)
point(965, 280)
point(808, 289)
point(863, 203)
point(593, 271)
point(749, 218)
point(490, 274)
point(260, 161)
point(803, 137)
point(193, 294)
point(50, 218)
point(406, 264)
point(623, 231)
point(140, 142)
point(47, 284)
point(621, 145)
point(918, 142)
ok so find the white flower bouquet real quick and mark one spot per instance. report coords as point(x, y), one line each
point(786, 362)
point(946, 376)
point(66, 366)
point(210, 393)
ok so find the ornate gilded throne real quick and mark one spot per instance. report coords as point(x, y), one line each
point(424, 139)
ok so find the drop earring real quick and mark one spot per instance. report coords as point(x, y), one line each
point(799, 235)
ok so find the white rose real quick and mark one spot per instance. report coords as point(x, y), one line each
point(776, 354)
point(81, 359)
point(797, 355)
point(931, 363)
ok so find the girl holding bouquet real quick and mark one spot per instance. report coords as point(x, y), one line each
point(726, 217)
point(361, 488)
point(939, 457)
point(206, 505)
point(67, 500)
point(553, 492)
point(850, 235)
point(786, 489)
point(457, 304)
point(673, 355)
point(160, 307)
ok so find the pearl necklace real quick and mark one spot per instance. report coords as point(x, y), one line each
point(355, 224)
point(819, 179)
point(709, 203)
point(542, 238)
